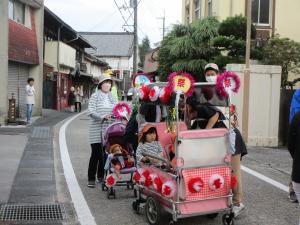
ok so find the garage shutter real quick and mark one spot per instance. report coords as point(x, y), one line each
point(17, 80)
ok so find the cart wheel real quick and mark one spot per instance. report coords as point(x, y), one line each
point(212, 216)
point(111, 192)
point(136, 206)
point(153, 212)
point(227, 219)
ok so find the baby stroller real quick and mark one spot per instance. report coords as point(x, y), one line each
point(114, 134)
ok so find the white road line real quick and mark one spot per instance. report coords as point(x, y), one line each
point(82, 209)
point(266, 179)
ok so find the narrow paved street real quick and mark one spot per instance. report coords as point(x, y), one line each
point(266, 204)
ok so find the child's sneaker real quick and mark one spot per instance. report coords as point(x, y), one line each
point(238, 209)
point(91, 184)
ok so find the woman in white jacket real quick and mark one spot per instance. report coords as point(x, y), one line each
point(30, 98)
point(100, 110)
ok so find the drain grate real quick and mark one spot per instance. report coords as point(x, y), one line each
point(28, 212)
point(41, 132)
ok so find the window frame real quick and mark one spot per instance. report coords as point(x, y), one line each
point(209, 8)
point(258, 14)
point(197, 11)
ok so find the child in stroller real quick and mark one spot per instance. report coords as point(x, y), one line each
point(118, 159)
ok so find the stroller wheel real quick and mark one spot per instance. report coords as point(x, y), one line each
point(227, 219)
point(212, 216)
point(135, 206)
point(153, 212)
point(111, 192)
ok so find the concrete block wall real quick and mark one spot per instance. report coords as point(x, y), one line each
point(263, 124)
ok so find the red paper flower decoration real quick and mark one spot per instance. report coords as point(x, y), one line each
point(195, 185)
point(216, 182)
point(165, 95)
point(154, 93)
point(145, 177)
point(157, 184)
point(136, 177)
point(181, 81)
point(168, 189)
point(122, 110)
point(144, 92)
point(110, 180)
point(227, 82)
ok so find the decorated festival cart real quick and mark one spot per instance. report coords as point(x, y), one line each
point(198, 179)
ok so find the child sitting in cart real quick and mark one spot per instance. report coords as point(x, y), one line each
point(118, 159)
point(148, 143)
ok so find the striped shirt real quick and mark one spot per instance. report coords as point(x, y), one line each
point(100, 105)
point(153, 148)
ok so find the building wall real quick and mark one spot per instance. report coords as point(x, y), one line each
point(23, 42)
point(3, 59)
point(287, 19)
point(263, 125)
point(117, 63)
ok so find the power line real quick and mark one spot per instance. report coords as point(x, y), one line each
point(101, 21)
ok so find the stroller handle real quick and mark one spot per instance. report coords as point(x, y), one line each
point(158, 158)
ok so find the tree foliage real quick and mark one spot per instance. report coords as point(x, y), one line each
point(188, 48)
point(144, 47)
point(283, 52)
point(232, 41)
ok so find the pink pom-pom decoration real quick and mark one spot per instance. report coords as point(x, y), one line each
point(216, 182)
point(136, 177)
point(195, 185)
point(165, 95)
point(157, 184)
point(227, 82)
point(181, 81)
point(168, 189)
point(154, 93)
point(122, 110)
point(110, 180)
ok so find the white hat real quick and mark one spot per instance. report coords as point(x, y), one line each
point(211, 66)
point(104, 77)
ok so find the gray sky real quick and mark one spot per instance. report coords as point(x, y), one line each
point(103, 15)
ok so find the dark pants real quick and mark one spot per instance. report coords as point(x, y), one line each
point(78, 106)
point(97, 161)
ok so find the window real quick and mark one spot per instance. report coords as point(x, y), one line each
point(11, 9)
point(198, 9)
point(209, 8)
point(261, 11)
point(16, 11)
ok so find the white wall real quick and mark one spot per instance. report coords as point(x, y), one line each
point(264, 103)
point(118, 63)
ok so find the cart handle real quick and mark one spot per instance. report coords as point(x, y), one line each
point(168, 166)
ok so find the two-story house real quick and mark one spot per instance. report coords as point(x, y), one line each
point(270, 16)
point(21, 54)
point(116, 49)
point(66, 63)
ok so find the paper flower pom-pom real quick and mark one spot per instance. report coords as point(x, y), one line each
point(144, 92)
point(168, 189)
point(164, 95)
point(227, 82)
point(195, 185)
point(154, 93)
point(110, 180)
point(216, 182)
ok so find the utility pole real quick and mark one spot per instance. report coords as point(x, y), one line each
point(135, 38)
point(164, 23)
point(247, 74)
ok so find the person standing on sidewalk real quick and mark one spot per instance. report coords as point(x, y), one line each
point(78, 99)
point(294, 149)
point(100, 109)
point(72, 99)
point(30, 98)
point(295, 107)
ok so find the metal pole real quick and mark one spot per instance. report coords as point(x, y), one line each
point(58, 70)
point(135, 38)
point(247, 74)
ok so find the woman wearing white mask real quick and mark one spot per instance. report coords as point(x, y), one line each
point(100, 109)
